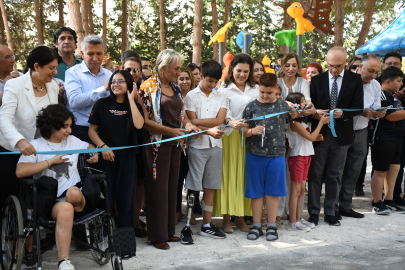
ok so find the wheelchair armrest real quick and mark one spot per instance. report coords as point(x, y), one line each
point(99, 177)
point(26, 181)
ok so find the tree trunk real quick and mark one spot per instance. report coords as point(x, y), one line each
point(61, 21)
point(162, 25)
point(76, 22)
point(2, 37)
point(366, 24)
point(38, 21)
point(124, 42)
point(85, 16)
point(105, 25)
point(226, 18)
point(339, 22)
point(214, 27)
point(90, 10)
point(197, 31)
point(7, 28)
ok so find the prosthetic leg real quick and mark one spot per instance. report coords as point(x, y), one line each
point(186, 233)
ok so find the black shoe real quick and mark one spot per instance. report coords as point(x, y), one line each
point(399, 201)
point(379, 208)
point(212, 231)
point(197, 209)
point(359, 192)
point(186, 236)
point(337, 215)
point(314, 218)
point(332, 220)
point(393, 207)
point(351, 213)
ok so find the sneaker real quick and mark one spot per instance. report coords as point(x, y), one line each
point(299, 226)
point(393, 207)
point(306, 223)
point(212, 231)
point(380, 208)
point(66, 265)
point(186, 236)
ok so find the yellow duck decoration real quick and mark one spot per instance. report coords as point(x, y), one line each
point(296, 11)
point(266, 63)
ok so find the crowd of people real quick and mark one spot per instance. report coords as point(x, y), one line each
point(243, 163)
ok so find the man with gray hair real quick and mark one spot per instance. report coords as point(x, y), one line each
point(368, 69)
point(86, 83)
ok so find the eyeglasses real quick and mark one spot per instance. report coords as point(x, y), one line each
point(395, 64)
point(135, 70)
point(119, 82)
point(8, 57)
point(335, 67)
point(354, 66)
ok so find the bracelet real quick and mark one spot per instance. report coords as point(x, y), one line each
point(47, 162)
point(101, 146)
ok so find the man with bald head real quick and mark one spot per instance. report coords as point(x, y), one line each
point(7, 61)
point(368, 70)
point(336, 89)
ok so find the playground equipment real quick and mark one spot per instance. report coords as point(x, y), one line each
point(244, 40)
point(220, 37)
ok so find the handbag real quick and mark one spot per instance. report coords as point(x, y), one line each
point(91, 192)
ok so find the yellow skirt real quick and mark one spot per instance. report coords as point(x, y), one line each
point(230, 199)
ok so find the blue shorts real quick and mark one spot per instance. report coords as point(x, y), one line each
point(265, 176)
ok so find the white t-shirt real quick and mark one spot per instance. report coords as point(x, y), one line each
point(66, 173)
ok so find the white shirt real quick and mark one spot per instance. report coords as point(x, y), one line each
point(66, 173)
point(338, 81)
point(237, 100)
point(204, 107)
point(298, 144)
point(301, 86)
point(372, 97)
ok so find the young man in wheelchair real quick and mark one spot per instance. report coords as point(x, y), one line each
point(55, 124)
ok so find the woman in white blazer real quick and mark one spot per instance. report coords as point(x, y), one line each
point(23, 98)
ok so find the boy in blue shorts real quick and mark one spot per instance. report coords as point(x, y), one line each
point(206, 108)
point(265, 155)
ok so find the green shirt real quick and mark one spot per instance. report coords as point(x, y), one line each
point(62, 67)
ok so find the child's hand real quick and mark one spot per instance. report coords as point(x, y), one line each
point(319, 138)
point(108, 155)
point(258, 130)
point(57, 160)
point(237, 124)
point(324, 119)
point(215, 133)
point(93, 158)
point(290, 104)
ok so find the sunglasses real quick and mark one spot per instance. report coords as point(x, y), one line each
point(354, 66)
point(135, 70)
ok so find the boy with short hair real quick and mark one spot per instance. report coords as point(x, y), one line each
point(386, 136)
point(265, 155)
point(206, 108)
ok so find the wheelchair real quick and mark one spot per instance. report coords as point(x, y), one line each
point(19, 222)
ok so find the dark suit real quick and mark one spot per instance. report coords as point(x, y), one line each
point(331, 153)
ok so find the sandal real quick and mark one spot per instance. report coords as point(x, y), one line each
point(256, 231)
point(140, 231)
point(248, 220)
point(271, 231)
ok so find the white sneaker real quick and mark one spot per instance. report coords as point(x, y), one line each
point(66, 265)
point(299, 226)
point(306, 223)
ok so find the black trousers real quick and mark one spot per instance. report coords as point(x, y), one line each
point(8, 179)
point(398, 183)
point(182, 175)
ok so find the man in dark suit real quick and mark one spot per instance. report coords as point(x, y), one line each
point(336, 88)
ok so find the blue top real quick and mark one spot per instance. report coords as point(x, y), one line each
point(390, 39)
point(83, 89)
point(62, 67)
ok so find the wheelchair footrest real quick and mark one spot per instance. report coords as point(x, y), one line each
point(124, 242)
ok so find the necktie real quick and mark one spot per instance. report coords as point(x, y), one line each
point(333, 95)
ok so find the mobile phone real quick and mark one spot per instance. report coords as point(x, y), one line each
point(308, 106)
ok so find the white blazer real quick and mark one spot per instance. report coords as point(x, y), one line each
point(19, 110)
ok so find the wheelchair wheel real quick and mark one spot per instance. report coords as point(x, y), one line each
point(12, 244)
point(117, 263)
point(98, 231)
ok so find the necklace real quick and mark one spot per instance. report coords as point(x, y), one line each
point(40, 89)
point(61, 146)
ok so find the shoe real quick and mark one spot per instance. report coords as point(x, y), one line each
point(197, 209)
point(306, 223)
point(380, 208)
point(299, 226)
point(213, 232)
point(66, 265)
point(359, 192)
point(398, 201)
point(186, 236)
point(142, 223)
point(351, 213)
point(337, 215)
point(393, 207)
point(246, 229)
point(314, 218)
point(161, 245)
point(332, 220)
point(173, 238)
point(140, 231)
point(143, 212)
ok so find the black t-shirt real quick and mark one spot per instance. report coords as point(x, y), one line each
point(382, 130)
point(112, 120)
point(378, 79)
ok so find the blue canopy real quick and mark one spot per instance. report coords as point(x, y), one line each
point(390, 39)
